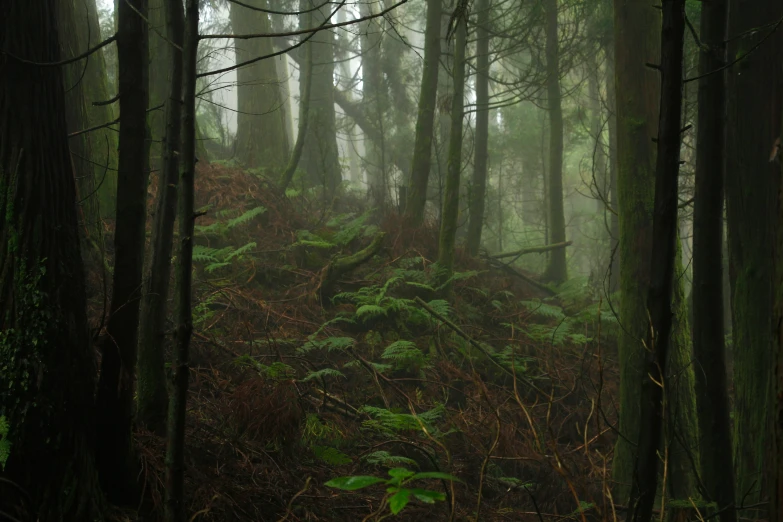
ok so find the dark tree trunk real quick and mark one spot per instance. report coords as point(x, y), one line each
point(662, 263)
point(425, 122)
point(708, 332)
point(753, 104)
point(556, 270)
point(175, 447)
point(481, 144)
point(448, 224)
point(45, 351)
point(151, 395)
point(115, 388)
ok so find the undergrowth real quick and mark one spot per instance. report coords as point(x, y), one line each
point(491, 398)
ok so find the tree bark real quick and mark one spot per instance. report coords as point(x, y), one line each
point(664, 253)
point(448, 224)
point(45, 351)
point(305, 85)
point(481, 144)
point(637, 40)
point(425, 121)
point(708, 332)
point(556, 270)
point(115, 388)
point(320, 157)
point(94, 154)
point(175, 447)
point(753, 104)
point(151, 394)
point(614, 220)
point(376, 102)
point(261, 140)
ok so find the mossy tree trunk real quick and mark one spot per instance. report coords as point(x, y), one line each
point(556, 270)
point(448, 223)
point(118, 364)
point(425, 121)
point(753, 105)
point(481, 144)
point(151, 395)
point(261, 140)
point(320, 154)
point(45, 351)
point(708, 330)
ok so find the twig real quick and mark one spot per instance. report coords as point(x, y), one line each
point(532, 250)
point(291, 502)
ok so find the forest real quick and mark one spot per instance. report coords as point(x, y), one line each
point(363, 260)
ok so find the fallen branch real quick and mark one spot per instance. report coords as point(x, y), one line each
point(532, 250)
point(343, 265)
point(527, 279)
point(478, 346)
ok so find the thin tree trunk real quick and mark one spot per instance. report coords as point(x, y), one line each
point(753, 101)
point(425, 122)
point(48, 362)
point(481, 144)
point(662, 261)
point(556, 270)
point(448, 224)
point(776, 389)
point(151, 395)
point(115, 456)
point(175, 447)
point(708, 331)
point(614, 220)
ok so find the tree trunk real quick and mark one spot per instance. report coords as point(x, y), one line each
point(320, 157)
point(556, 270)
point(776, 389)
point(448, 224)
point(261, 140)
point(425, 122)
point(94, 154)
point(115, 388)
point(305, 85)
point(753, 105)
point(175, 447)
point(151, 395)
point(375, 101)
point(708, 331)
point(160, 52)
point(637, 39)
point(45, 351)
point(664, 254)
point(480, 150)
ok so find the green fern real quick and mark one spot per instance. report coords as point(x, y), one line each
point(390, 423)
point(543, 309)
point(5, 444)
point(386, 459)
point(330, 343)
point(320, 374)
point(246, 217)
point(331, 456)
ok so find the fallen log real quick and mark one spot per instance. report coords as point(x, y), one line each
point(343, 265)
point(532, 250)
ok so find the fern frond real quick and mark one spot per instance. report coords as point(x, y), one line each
point(325, 372)
point(246, 217)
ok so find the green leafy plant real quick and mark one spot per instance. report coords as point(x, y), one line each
point(5, 444)
point(398, 490)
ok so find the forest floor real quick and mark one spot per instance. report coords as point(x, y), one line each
point(294, 384)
